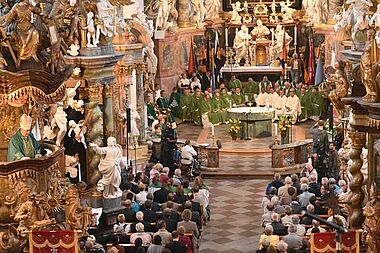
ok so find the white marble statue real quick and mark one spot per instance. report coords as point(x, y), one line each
point(105, 16)
point(162, 15)
point(171, 25)
point(212, 8)
point(73, 50)
point(77, 105)
point(235, 16)
point(279, 36)
point(309, 7)
point(60, 121)
point(91, 31)
point(135, 133)
point(49, 133)
point(199, 12)
point(260, 31)
point(142, 19)
point(151, 60)
point(79, 131)
point(287, 12)
point(71, 162)
point(375, 20)
point(358, 15)
point(109, 167)
point(241, 44)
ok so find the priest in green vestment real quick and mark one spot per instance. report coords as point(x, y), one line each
point(185, 105)
point(226, 104)
point(151, 113)
point(305, 105)
point(23, 145)
point(163, 101)
point(174, 102)
point(250, 88)
point(205, 108)
point(237, 98)
point(216, 109)
point(196, 109)
point(234, 83)
point(316, 100)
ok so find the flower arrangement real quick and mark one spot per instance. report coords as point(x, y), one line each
point(234, 129)
point(284, 124)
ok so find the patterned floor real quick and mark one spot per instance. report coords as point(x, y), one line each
point(243, 164)
point(236, 213)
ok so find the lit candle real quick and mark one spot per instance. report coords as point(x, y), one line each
point(212, 130)
point(79, 173)
point(275, 129)
point(295, 35)
point(226, 34)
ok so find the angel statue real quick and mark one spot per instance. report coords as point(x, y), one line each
point(105, 16)
point(235, 16)
point(199, 12)
point(163, 14)
point(71, 162)
point(77, 105)
point(109, 167)
point(135, 133)
point(60, 121)
point(79, 130)
point(91, 31)
point(241, 44)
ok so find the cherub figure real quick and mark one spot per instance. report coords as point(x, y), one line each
point(79, 130)
point(91, 31)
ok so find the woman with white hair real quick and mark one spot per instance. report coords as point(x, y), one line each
point(109, 167)
point(145, 237)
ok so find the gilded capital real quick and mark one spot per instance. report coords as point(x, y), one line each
point(107, 91)
point(357, 139)
point(94, 92)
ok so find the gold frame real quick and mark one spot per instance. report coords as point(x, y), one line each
point(372, 163)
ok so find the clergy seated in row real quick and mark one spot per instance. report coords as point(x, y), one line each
point(265, 83)
point(23, 145)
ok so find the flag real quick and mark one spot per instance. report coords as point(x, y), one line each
point(284, 54)
point(191, 66)
point(311, 62)
point(214, 66)
point(319, 73)
point(204, 58)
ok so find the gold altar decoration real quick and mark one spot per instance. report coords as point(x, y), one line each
point(53, 241)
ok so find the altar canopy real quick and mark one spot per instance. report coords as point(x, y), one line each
point(53, 241)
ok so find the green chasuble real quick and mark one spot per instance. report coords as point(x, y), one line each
point(151, 113)
point(316, 104)
point(205, 108)
point(226, 104)
point(216, 111)
point(185, 107)
point(305, 106)
point(234, 84)
point(196, 110)
point(250, 89)
point(162, 102)
point(20, 147)
point(237, 99)
point(174, 103)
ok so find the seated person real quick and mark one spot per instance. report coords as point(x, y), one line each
point(140, 219)
point(23, 145)
point(146, 238)
point(268, 235)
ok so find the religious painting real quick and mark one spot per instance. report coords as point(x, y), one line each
point(227, 4)
point(184, 48)
point(168, 58)
point(374, 158)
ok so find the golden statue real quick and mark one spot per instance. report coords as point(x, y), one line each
point(370, 76)
point(27, 36)
point(371, 211)
point(76, 216)
point(338, 84)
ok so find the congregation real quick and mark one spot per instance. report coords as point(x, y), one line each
point(193, 102)
point(162, 212)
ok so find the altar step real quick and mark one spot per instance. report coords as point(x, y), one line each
point(268, 174)
point(245, 152)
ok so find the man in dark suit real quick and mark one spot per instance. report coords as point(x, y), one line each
point(130, 215)
point(320, 148)
point(195, 215)
point(161, 196)
point(171, 223)
point(155, 206)
point(175, 246)
point(149, 214)
point(140, 219)
point(278, 227)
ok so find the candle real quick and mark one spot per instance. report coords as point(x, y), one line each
point(226, 34)
point(212, 130)
point(275, 129)
point(230, 103)
point(295, 35)
point(31, 18)
point(272, 30)
point(79, 173)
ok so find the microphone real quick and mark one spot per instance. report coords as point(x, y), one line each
point(338, 228)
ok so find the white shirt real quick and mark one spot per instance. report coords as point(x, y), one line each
point(279, 103)
point(183, 82)
point(187, 154)
point(294, 104)
point(193, 85)
point(261, 99)
point(141, 197)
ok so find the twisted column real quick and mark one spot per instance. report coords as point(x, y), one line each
point(358, 141)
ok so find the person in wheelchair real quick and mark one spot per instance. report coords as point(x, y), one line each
point(188, 155)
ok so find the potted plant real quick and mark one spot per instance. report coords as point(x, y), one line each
point(284, 125)
point(234, 129)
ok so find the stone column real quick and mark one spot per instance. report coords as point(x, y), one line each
point(183, 13)
point(141, 106)
point(358, 141)
point(94, 121)
point(108, 123)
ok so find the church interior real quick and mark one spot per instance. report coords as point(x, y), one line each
point(181, 126)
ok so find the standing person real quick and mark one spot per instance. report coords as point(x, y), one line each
point(174, 102)
point(183, 83)
point(205, 108)
point(295, 67)
point(320, 148)
point(226, 104)
point(279, 104)
point(333, 161)
point(169, 140)
point(234, 83)
point(304, 98)
point(216, 107)
point(251, 88)
point(23, 145)
point(186, 105)
point(293, 106)
point(317, 104)
point(195, 84)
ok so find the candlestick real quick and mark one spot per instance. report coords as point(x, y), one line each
point(212, 130)
point(226, 34)
point(275, 129)
point(295, 35)
point(79, 173)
